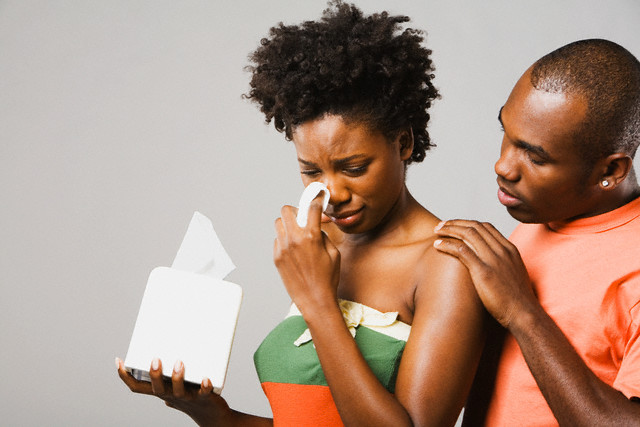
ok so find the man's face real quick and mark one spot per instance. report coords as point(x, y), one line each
point(541, 172)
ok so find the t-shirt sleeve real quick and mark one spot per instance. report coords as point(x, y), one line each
point(628, 378)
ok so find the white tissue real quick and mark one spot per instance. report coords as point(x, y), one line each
point(307, 197)
point(201, 251)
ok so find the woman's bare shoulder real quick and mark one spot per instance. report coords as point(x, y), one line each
point(441, 273)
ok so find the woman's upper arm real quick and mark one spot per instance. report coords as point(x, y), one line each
point(444, 347)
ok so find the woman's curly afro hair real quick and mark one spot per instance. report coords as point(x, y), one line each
point(363, 68)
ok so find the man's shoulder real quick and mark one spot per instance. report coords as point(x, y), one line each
point(527, 233)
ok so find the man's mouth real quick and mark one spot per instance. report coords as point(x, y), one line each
point(507, 198)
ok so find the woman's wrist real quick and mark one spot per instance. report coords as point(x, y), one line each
point(317, 306)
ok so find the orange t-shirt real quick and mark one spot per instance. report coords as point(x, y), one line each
point(586, 274)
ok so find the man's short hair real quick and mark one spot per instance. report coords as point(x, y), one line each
point(607, 77)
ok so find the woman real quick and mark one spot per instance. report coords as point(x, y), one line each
point(352, 93)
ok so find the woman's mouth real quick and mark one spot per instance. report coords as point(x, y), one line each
point(346, 219)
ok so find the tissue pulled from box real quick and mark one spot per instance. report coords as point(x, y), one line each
point(201, 251)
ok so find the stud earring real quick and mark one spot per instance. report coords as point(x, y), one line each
point(605, 183)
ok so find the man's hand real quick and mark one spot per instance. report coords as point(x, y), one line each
point(494, 263)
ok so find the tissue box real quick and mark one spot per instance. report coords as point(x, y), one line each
point(189, 317)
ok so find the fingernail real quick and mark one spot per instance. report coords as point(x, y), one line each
point(155, 363)
point(118, 362)
point(206, 383)
point(439, 226)
point(177, 367)
point(437, 242)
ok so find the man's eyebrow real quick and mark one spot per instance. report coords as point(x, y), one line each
point(525, 145)
point(534, 148)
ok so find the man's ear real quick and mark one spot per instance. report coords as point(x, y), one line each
point(406, 144)
point(614, 169)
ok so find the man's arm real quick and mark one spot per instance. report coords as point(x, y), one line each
point(574, 393)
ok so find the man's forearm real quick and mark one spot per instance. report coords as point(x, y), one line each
point(573, 392)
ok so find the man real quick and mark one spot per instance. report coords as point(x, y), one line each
point(566, 287)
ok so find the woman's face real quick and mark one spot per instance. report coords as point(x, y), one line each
point(363, 170)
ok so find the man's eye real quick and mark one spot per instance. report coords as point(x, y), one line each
point(310, 172)
point(535, 160)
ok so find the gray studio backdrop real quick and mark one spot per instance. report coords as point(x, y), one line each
point(120, 118)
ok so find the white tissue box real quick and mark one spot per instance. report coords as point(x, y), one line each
point(189, 317)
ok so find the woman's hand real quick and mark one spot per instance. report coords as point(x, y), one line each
point(308, 263)
point(200, 403)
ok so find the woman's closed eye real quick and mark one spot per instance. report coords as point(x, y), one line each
point(310, 172)
point(355, 170)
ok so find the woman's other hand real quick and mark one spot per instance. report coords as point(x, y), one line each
point(200, 403)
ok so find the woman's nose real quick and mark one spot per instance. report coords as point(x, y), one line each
point(338, 190)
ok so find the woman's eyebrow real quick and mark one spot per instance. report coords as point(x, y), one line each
point(345, 160)
point(336, 162)
point(306, 163)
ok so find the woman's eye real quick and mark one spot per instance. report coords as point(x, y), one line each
point(356, 170)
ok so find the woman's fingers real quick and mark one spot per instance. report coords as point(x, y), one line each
point(175, 393)
point(288, 217)
point(206, 388)
point(133, 384)
point(314, 218)
point(177, 380)
point(155, 374)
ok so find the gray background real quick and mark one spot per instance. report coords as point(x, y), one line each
point(120, 118)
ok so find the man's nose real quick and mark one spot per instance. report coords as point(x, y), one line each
point(507, 165)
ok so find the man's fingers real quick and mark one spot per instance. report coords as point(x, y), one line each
point(464, 230)
point(177, 379)
point(488, 243)
point(458, 249)
point(499, 237)
point(475, 234)
point(474, 238)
